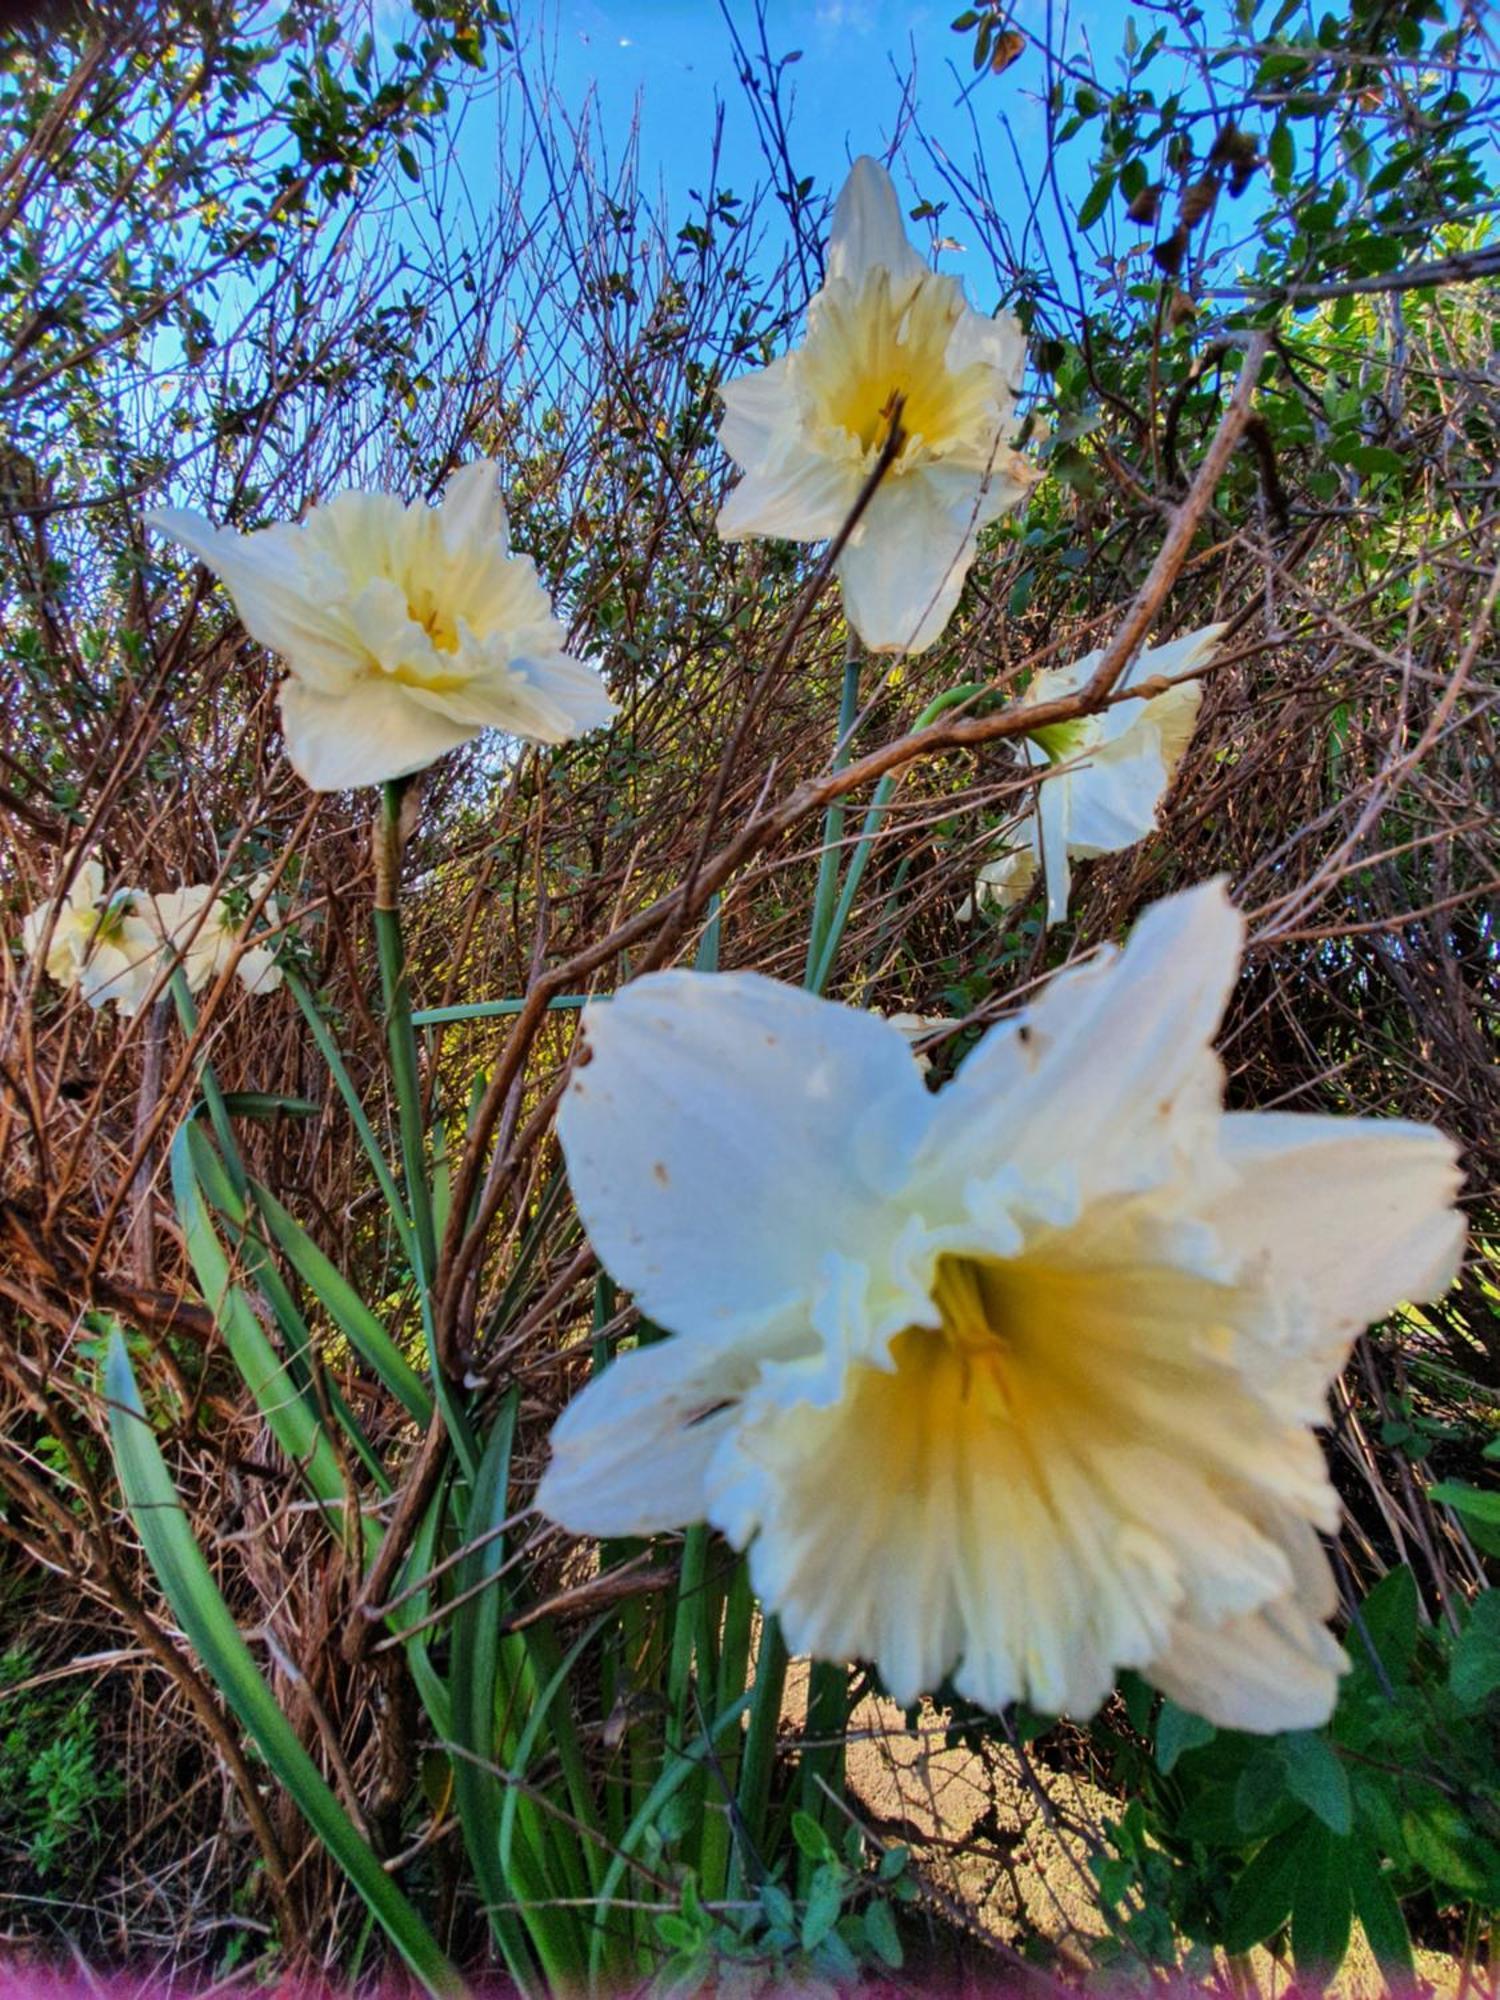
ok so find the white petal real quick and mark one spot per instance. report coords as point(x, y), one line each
point(760, 414)
point(1273, 1669)
point(1111, 795)
point(803, 497)
point(264, 574)
point(1110, 1074)
point(726, 1133)
point(997, 343)
point(1346, 1217)
point(868, 228)
point(904, 567)
point(258, 971)
point(1169, 662)
point(630, 1451)
point(472, 510)
point(364, 736)
point(1008, 881)
point(1054, 830)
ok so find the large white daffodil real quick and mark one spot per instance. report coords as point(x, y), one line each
point(106, 949)
point(199, 926)
point(887, 339)
point(405, 629)
point(1016, 1382)
point(1110, 771)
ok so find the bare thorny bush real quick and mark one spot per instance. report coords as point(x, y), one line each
point(237, 292)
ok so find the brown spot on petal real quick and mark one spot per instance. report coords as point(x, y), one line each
point(659, 1172)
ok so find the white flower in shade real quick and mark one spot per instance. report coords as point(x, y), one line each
point(808, 430)
point(105, 949)
point(1113, 768)
point(1006, 881)
point(75, 925)
point(201, 929)
point(405, 629)
point(1016, 1382)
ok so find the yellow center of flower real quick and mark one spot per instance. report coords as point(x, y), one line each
point(434, 618)
point(872, 359)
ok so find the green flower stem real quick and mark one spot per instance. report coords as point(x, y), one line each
point(822, 1750)
point(754, 1794)
point(734, 1663)
point(402, 1042)
point(821, 968)
point(400, 1033)
point(833, 819)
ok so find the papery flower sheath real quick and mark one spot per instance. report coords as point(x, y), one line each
point(200, 927)
point(104, 948)
point(1109, 771)
point(405, 629)
point(1014, 1383)
point(887, 340)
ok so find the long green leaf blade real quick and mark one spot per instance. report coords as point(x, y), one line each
point(200, 1610)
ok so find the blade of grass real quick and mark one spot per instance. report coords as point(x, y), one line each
point(292, 1421)
point(199, 1609)
point(363, 1330)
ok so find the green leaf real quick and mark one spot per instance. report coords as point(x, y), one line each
point(811, 1838)
point(1261, 1788)
point(1470, 1501)
point(1316, 1775)
point(1260, 1899)
point(364, 1332)
point(1282, 151)
point(1374, 461)
point(880, 1931)
point(825, 1898)
point(1436, 1837)
point(1376, 1907)
point(268, 1104)
point(1474, 1674)
point(190, 1590)
point(1177, 1732)
point(1388, 1620)
point(476, 1677)
point(1096, 198)
point(1322, 1906)
point(893, 1863)
point(291, 1419)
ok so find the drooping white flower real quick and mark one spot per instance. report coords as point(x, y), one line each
point(77, 920)
point(1016, 1382)
point(405, 629)
point(808, 430)
point(201, 928)
point(104, 948)
point(1003, 883)
point(1111, 770)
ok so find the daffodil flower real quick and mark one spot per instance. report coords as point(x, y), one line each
point(104, 948)
point(1006, 881)
point(1016, 1382)
point(405, 629)
point(1108, 772)
point(888, 341)
point(199, 926)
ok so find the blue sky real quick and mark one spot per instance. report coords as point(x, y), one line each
point(671, 58)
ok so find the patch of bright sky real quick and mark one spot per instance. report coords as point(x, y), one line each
point(867, 72)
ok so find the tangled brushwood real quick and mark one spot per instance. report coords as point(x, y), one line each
point(748, 1014)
